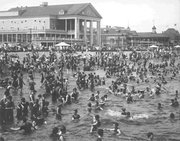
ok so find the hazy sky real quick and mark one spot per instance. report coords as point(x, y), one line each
point(140, 15)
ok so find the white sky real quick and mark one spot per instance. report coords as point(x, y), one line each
point(138, 14)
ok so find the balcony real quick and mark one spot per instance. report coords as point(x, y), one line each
point(54, 39)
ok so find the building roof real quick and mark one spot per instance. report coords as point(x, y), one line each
point(118, 31)
point(48, 10)
point(150, 35)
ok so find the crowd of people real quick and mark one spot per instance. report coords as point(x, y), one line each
point(32, 112)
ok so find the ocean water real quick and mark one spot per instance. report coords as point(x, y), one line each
point(146, 116)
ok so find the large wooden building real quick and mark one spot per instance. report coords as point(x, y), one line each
point(50, 24)
point(124, 38)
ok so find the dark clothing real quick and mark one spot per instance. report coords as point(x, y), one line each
point(76, 116)
point(26, 127)
point(99, 139)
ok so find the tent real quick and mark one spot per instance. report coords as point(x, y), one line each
point(177, 46)
point(153, 46)
point(62, 44)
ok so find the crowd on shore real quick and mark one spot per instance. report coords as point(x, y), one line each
point(137, 67)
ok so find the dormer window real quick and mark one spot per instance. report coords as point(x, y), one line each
point(61, 12)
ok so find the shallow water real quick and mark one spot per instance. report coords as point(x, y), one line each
point(154, 120)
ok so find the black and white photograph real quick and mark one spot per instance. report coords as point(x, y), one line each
point(89, 70)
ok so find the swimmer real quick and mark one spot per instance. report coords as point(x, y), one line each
point(177, 93)
point(89, 109)
point(62, 132)
point(128, 115)
point(98, 106)
point(37, 121)
point(100, 133)
point(115, 130)
point(57, 134)
point(96, 123)
point(75, 116)
point(97, 96)
point(58, 112)
point(150, 136)
point(172, 116)
point(159, 106)
point(174, 102)
point(123, 111)
point(27, 127)
point(92, 98)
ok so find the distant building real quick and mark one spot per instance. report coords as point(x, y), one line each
point(116, 37)
point(173, 35)
point(149, 38)
point(50, 24)
point(125, 38)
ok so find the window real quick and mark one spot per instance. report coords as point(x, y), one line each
point(61, 12)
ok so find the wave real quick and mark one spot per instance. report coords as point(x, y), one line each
point(134, 117)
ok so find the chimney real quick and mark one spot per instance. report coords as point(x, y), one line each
point(44, 4)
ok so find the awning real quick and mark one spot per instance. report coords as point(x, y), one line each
point(62, 44)
point(153, 46)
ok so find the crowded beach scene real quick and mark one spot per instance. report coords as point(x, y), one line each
point(87, 70)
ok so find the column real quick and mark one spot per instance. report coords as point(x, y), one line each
point(2, 38)
point(91, 32)
point(85, 32)
point(16, 38)
point(76, 28)
point(66, 25)
point(98, 33)
point(7, 38)
point(21, 37)
point(26, 37)
point(12, 38)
